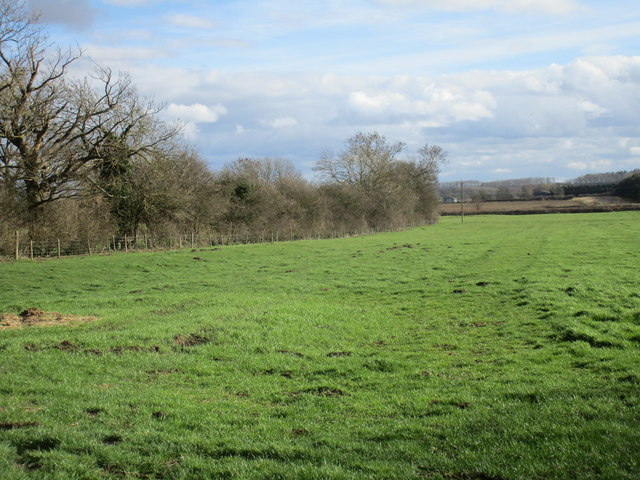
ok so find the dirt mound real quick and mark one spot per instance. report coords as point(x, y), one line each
point(32, 317)
point(192, 340)
point(339, 354)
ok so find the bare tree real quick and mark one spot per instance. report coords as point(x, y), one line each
point(175, 188)
point(396, 189)
point(53, 129)
point(430, 158)
point(364, 164)
point(268, 170)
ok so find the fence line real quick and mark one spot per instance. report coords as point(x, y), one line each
point(26, 248)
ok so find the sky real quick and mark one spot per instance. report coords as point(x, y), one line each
point(509, 88)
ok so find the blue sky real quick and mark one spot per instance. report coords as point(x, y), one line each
point(510, 88)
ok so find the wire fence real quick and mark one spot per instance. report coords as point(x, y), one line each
point(26, 248)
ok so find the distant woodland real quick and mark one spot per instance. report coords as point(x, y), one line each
point(625, 184)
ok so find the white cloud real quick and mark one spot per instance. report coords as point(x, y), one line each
point(282, 122)
point(196, 113)
point(551, 121)
point(591, 109)
point(560, 100)
point(190, 131)
point(415, 99)
point(376, 103)
point(190, 21)
point(593, 166)
point(191, 116)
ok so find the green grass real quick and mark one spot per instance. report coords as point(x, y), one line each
point(379, 357)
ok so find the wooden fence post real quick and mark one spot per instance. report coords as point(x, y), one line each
point(17, 245)
point(31, 249)
point(126, 248)
point(59, 249)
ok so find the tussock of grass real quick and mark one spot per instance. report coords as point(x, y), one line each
point(501, 348)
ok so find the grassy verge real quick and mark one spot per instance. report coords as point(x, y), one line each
point(498, 348)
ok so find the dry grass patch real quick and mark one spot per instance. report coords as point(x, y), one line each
point(34, 317)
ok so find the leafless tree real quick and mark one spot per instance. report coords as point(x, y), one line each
point(176, 188)
point(268, 170)
point(430, 159)
point(364, 164)
point(396, 189)
point(54, 129)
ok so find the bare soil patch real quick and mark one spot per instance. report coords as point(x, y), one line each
point(327, 392)
point(13, 425)
point(192, 340)
point(34, 317)
point(111, 439)
point(66, 346)
point(289, 352)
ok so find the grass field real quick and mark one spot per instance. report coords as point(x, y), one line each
point(504, 347)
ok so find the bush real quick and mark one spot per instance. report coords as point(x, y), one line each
point(629, 188)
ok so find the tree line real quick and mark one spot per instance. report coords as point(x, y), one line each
point(90, 156)
point(623, 184)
